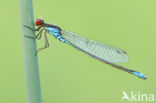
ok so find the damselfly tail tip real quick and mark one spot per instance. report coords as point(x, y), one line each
point(140, 75)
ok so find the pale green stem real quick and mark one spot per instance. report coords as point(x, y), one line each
point(29, 50)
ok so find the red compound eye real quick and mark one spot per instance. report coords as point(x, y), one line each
point(39, 22)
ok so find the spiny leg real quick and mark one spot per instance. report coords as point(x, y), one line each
point(33, 28)
point(46, 39)
point(36, 37)
point(39, 34)
point(46, 42)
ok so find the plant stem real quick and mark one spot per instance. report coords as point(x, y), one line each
point(29, 50)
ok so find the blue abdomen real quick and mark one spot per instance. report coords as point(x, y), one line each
point(139, 74)
point(56, 33)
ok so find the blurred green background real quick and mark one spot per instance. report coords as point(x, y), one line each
point(69, 76)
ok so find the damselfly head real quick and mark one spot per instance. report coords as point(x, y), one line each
point(39, 22)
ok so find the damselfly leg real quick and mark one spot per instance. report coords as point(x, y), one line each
point(33, 28)
point(46, 42)
point(38, 36)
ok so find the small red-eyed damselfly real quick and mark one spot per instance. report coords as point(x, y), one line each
point(98, 50)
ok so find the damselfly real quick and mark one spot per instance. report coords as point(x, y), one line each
point(98, 50)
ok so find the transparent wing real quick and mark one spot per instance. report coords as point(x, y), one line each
point(103, 52)
point(97, 49)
